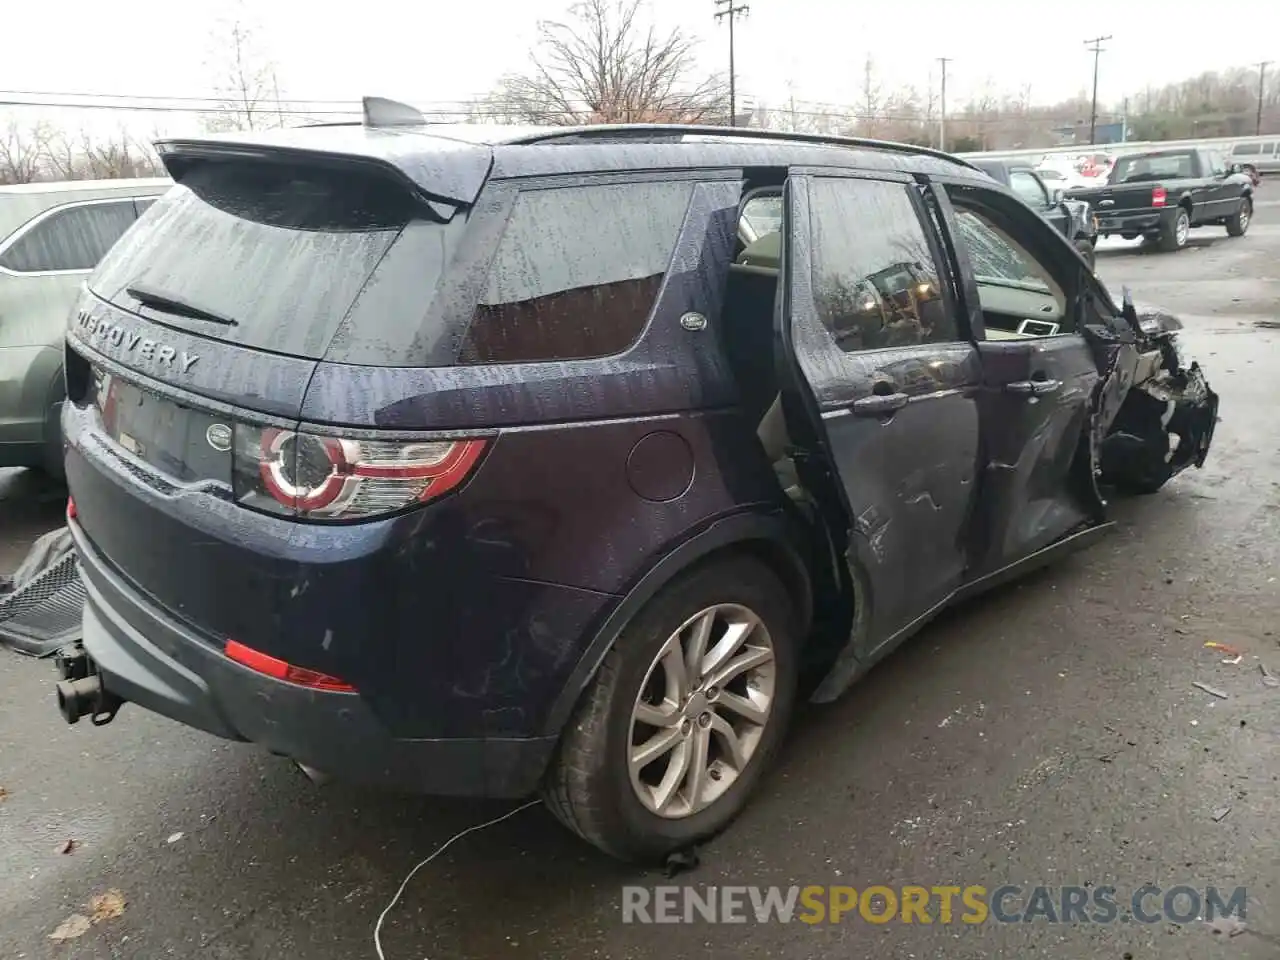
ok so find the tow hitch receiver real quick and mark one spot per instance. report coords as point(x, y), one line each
point(80, 691)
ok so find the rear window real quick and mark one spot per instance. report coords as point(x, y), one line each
point(74, 237)
point(576, 272)
point(1156, 166)
point(345, 265)
point(278, 252)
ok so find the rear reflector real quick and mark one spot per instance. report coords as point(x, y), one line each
point(273, 667)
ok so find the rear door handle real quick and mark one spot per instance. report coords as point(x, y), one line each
point(878, 404)
point(1033, 388)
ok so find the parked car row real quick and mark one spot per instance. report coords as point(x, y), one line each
point(483, 462)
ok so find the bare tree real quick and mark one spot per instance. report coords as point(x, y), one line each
point(22, 151)
point(119, 156)
point(245, 79)
point(601, 65)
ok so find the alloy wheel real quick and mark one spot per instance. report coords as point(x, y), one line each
point(1182, 228)
point(702, 711)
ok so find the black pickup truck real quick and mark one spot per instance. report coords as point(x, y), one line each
point(1160, 195)
point(1072, 218)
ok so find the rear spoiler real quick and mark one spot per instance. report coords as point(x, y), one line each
point(435, 168)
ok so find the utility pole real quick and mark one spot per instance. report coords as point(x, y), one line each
point(1096, 45)
point(1262, 86)
point(731, 10)
point(942, 106)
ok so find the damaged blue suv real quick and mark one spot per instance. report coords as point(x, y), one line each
point(486, 462)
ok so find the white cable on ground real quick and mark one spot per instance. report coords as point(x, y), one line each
point(377, 927)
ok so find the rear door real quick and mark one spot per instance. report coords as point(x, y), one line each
point(195, 343)
point(890, 377)
point(1038, 376)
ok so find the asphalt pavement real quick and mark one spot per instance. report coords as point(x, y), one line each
point(1048, 733)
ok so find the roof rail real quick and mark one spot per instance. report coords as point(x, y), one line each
point(381, 112)
point(649, 130)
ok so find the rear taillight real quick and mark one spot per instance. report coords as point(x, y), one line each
point(71, 508)
point(1159, 196)
point(302, 474)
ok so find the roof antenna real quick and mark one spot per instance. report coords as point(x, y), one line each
point(381, 112)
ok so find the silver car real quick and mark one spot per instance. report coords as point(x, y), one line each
point(51, 237)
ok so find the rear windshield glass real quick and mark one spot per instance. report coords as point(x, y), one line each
point(1156, 166)
point(270, 256)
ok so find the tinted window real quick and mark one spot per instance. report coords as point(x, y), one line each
point(1154, 167)
point(282, 251)
point(576, 272)
point(1029, 189)
point(74, 238)
point(1216, 163)
point(875, 280)
point(1246, 149)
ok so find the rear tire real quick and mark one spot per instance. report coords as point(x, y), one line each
point(591, 787)
point(53, 463)
point(1175, 230)
point(1239, 221)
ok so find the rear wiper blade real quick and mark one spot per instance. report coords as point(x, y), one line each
point(167, 304)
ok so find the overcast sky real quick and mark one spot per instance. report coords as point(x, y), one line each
point(449, 50)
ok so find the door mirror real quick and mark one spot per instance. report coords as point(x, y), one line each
point(1057, 195)
point(1235, 168)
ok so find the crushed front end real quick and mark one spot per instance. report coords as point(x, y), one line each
point(1167, 412)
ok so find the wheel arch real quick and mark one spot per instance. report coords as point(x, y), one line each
point(769, 537)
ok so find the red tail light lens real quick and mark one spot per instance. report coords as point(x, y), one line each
point(1159, 196)
point(271, 666)
point(335, 478)
point(71, 508)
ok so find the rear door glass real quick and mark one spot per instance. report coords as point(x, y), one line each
point(73, 238)
point(278, 252)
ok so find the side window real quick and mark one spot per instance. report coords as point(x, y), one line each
point(576, 273)
point(74, 238)
point(1246, 149)
point(1018, 294)
point(874, 276)
point(142, 204)
point(1029, 189)
point(1216, 164)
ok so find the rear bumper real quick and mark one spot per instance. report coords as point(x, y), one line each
point(1136, 221)
point(150, 659)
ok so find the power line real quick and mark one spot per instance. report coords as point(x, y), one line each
point(730, 10)
point(1096, 46)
